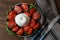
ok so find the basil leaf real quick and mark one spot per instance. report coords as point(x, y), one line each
point(32, 6)
point(6, 12)
point(10, 31)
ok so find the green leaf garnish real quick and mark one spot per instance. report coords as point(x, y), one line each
point(32, 6)
point(10, 31)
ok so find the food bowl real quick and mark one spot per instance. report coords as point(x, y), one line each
point(41, 20)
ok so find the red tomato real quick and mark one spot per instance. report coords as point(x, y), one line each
point(24, 7)
point(36, 26)
point(11, 24)
point(15, 29)
point(18, 9)
point(36, 15)
point(30, 31)
point(32, 11)
point(11, 15)
point(10, 18)
point(28, 14)
point(26, 28)
point(33, 22)
point(20, 31)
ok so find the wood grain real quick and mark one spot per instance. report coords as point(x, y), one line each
point(58, 5)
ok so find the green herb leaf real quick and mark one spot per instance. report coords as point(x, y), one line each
point(10, 31)
point(32, 6)
point(6, 12)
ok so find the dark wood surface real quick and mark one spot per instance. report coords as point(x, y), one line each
point(58, 5)
point(4, 6)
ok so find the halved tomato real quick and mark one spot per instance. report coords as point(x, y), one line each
point(27, 13)
point(20, 31)
point(10, 18)
point(30, 31)
point(18, 9)
point(24, 7)
point(11, 24)
point(26, 28)
point(36, 26)
point(33, 22)
point(32, 11)
point(36, 15)
point(15, 29)
point(11, 15)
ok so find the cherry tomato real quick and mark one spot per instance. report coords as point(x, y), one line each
point(33, 22)
point(32, 11)
point(10, 18)
point(20, 31)
point(26, 28)
point(28, 14)
point(24, 7)
point(15, 29)
point(18, 9)
point(11, 24)
point(30, 31)
point(11, 15)
point(36, 26)
point(36, 15)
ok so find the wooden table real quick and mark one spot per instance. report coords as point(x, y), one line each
point(58, 5)
point(4, 6)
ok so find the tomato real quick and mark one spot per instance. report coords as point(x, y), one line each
point(11, 15)
point(36, 15)
point(24, 7)
point(36, 26)
point(30, 31)
point(32, 11)
point(28, 14)
point(15, 29)
point(18, 9)
point(11, 24)
point(26, 28)
point(20, 31)
point(33, 22)
point(10, 18)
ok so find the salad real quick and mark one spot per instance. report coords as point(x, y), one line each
point(23, 19)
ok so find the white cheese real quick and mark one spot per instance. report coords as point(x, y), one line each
point(22, 19)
